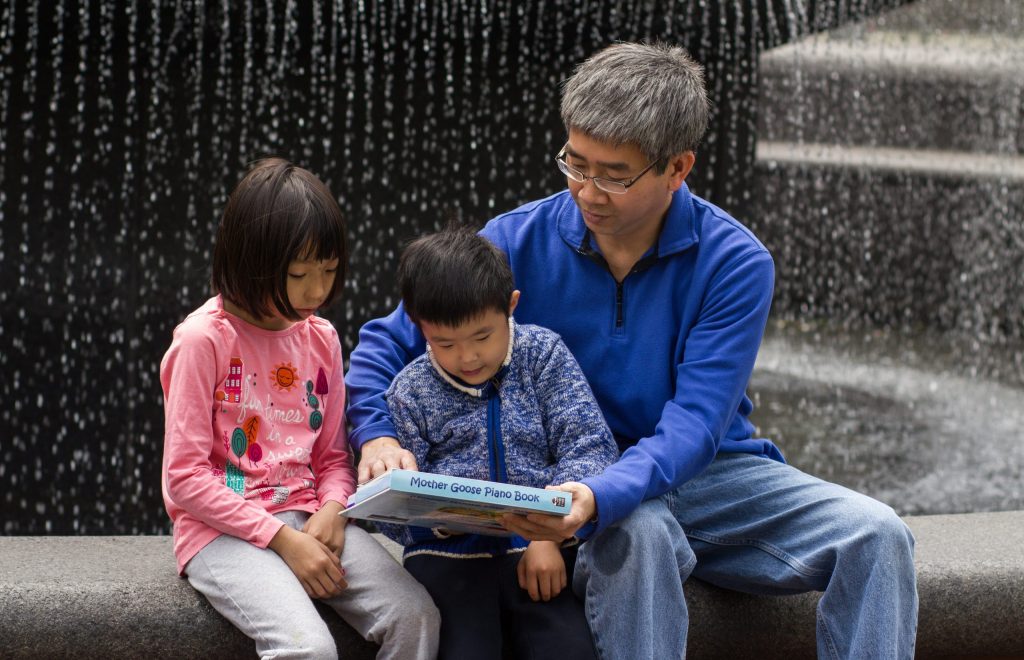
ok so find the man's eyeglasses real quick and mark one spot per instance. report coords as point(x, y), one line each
point(615, 187)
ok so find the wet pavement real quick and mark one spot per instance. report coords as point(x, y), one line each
point(906, 419)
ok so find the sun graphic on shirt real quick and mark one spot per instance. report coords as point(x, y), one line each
point(283, 377)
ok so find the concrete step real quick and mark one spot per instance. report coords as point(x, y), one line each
point(936, 74)
point(895, 236)
point(120, 597)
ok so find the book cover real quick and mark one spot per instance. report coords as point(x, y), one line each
point(459, 504)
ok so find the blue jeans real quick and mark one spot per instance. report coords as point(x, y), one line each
point(755, 525)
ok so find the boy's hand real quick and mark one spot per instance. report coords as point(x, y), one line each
point(546, 527)
point(328, 527)
point(381, 454)
point(316, 567)
point(541, 570)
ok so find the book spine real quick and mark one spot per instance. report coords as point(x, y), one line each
point(487, 492)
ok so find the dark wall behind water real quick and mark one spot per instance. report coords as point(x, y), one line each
point(124, 124)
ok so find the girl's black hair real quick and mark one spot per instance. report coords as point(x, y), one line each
point(278, 213)
point(453, 276)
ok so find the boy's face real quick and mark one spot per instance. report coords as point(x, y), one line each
point(473, 351)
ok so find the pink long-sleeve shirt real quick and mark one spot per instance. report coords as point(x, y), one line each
point(254, 425)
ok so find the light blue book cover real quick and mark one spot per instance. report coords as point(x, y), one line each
point(456, 503)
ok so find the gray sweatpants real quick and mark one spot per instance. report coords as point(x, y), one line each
point(254, 589)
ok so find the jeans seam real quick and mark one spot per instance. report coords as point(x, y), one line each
point(776, 552)
point(592, 618)
point(826, 635)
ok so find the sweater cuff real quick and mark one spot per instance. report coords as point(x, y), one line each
point(363, 435)
point(585, 532)
point(604, 515)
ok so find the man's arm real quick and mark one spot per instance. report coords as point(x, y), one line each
point(710, 382)
point(385, 346)
point(720, 352)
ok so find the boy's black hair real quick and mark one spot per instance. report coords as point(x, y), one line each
point(278, 213)
point(452, 277)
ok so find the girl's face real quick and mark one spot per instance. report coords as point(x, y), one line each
point(309, 283)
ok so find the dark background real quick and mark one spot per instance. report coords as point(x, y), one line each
point(124, 125)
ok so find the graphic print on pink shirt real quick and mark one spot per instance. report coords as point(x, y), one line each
point(245, 455)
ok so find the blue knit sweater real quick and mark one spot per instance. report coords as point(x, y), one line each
point(540, 425)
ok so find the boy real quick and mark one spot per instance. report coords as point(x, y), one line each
point(498, 401)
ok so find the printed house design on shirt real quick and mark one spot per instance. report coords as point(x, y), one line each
point(233, 383)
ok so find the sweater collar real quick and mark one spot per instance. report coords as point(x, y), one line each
point(484, 389)
point(678, 232)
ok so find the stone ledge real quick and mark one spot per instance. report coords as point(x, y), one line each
point(119, 597)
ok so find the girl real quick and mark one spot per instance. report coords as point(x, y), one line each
point(256, 464)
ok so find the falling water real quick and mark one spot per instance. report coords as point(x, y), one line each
point(124, 124)
point(891, 190)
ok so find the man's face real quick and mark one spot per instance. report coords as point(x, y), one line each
point(472, 351)
point(635, 214)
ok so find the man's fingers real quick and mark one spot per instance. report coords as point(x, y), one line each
point(536, 530)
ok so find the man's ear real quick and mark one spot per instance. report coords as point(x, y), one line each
point(678, 169)
point(513, 301)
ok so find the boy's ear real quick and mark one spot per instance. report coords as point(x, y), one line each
point(513, 301)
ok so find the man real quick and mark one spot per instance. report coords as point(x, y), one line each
point(663, 298)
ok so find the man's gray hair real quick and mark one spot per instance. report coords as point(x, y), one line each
point(651, 96)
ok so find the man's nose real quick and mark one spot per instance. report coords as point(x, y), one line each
point(589, 192)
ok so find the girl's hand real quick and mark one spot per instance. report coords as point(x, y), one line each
point(541, 570)
point(328, 527)
point(317, 568)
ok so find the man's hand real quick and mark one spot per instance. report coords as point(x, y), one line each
point(316, 567)
point(382, 454)
point(541, 570)
point(546, 527)
point(328, 527)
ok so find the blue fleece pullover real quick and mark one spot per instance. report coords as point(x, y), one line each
point(668, 352)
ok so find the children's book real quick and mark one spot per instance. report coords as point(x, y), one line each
point(407, 497)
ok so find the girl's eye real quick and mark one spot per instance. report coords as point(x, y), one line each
point(332, 271)
point(297, 276)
